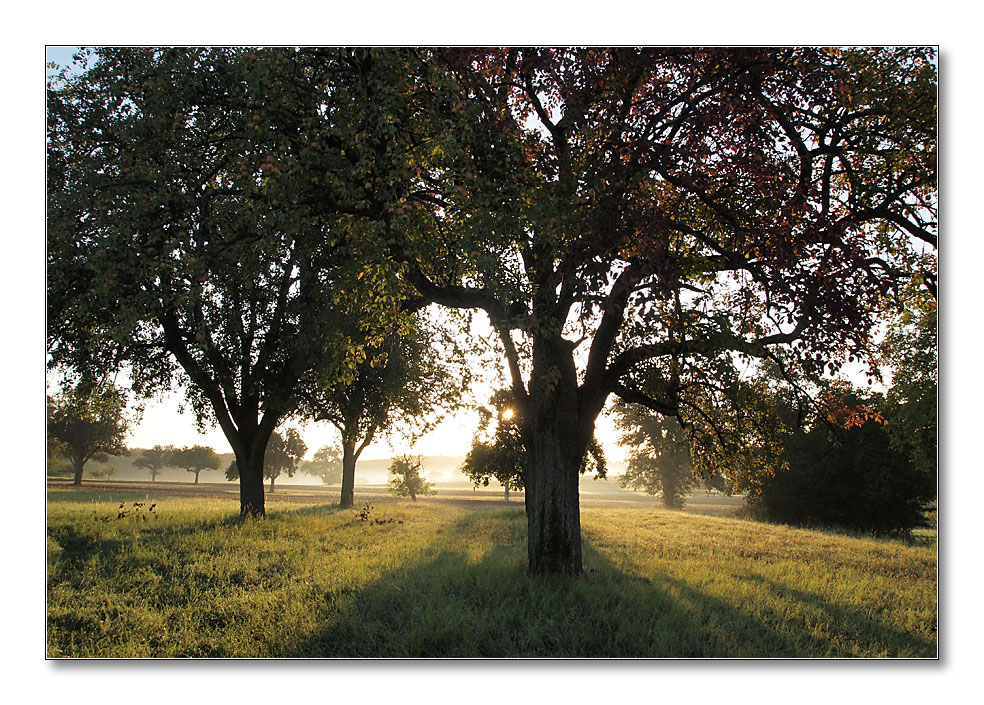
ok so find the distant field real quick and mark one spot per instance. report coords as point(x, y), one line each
point(445, 577)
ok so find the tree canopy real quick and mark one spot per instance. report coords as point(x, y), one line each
point(88, 421)
point(403, 384)
point(406, 480)
point(642, 222)
point(155, 459)
point(659, 459)
point(195, 459)
point(205, 209)
point(638, 222)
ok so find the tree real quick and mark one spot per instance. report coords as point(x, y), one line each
point(195, 459)
point(327, 464)
point(842, 469)
point(641, 222)
point(659, 462)
point(156, 459)
point(205, 212)
point(283, 455)
point(911, 404)
point(403, 384)
point(88, 421)
point(406, 480)
point(500, 454)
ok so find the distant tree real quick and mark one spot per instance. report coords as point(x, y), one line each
point(498, 453)
point(403, 384)
point(327, 464)
point(659, 459)
point(284, 453)
point(840, 468)
point(105, 472)
point(155, 459)
point(89, 421)
point(195, 459)
point(406, 481)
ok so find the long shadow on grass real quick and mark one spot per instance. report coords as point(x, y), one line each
point(451, 603)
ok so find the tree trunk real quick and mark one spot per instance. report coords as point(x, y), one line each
point(413, 495)
point(348, 474)
point(553, 514)
point(153, 476)
point(272, 479)
point(251, 499)
point(507, 490)
point(78, 464)
point(196, 476)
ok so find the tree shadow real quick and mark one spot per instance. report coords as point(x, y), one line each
point(453, 604)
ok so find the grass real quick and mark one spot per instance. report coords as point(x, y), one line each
point(447, 579)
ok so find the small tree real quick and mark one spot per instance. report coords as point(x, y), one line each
point(327, 464)
point(659, 462)
point(283, 455)
point(499, 454)
point(496, 455)
point(406, 481)
point(155, 460)
point(196, 458)
point(89, 421)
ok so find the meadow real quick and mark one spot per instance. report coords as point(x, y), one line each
point(445, 577)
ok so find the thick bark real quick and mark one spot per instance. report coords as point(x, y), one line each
point(348, 473)
point(196, 476)
point(251, 499)
point(553, 514)
point(78, 464)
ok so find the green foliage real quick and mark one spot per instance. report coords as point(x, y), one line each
point(847, 473)
point(497, 451)
point(156, 459)
point(911, 349)
point(195, 459)
point(88, 421)
point(659, 462)
point(327, 464)
point(283, 455)
point(406, 480)
point(208, 222)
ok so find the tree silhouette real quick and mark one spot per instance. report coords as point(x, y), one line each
point(644, 222)
point(195, 459)
point(406, 480)
point(88, 421)
point(155, 459)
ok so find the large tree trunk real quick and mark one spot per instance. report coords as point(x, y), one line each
point(507, 490)
point(553, 514)
point(251, 499)
point(348, 474)
point(196, 476)
point(78, 464)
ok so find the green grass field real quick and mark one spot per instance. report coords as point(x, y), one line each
point(445, 577)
